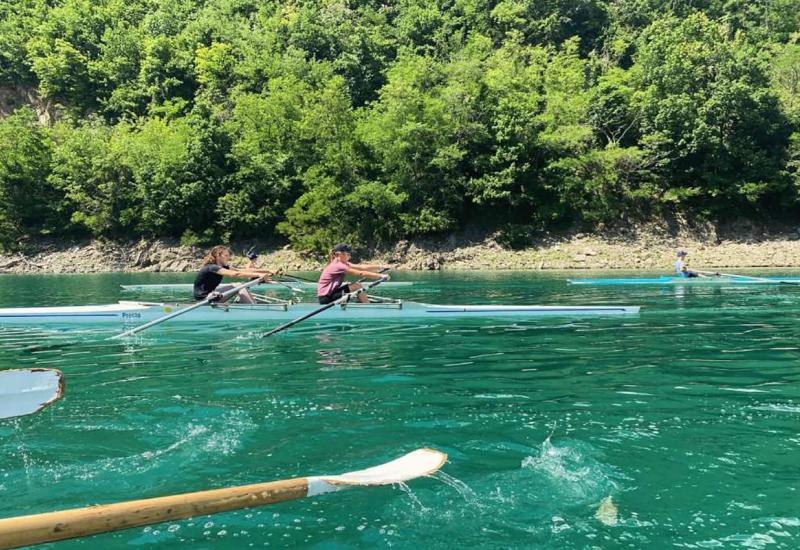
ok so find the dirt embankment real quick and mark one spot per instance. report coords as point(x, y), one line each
point(633, 250)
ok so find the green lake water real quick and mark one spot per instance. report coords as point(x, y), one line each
point(687, 415)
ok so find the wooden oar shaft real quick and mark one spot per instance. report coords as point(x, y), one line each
point(53, 526)
point(79, 522)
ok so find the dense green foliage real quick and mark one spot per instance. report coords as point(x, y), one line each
point(328, 120)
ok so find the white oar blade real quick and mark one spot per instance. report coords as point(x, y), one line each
point(419, 463)
point(26, 391)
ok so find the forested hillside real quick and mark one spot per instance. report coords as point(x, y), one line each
point(318, 121)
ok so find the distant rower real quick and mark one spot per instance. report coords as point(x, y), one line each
point(215, 267)
point(680, 266)
point(331, 285)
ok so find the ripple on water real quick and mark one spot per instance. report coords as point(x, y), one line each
point(656, 410)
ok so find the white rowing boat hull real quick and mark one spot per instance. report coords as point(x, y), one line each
point(187, 287)
point(135, 313)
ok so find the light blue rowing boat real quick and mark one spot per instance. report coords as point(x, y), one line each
point(126, 313)
point(722, 280)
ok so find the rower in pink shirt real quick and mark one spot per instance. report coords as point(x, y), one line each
point(331, 285)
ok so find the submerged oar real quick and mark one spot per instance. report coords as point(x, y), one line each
point(154, 322)
point(26, 391)
point(732, 276)
point(39, 528)
point(341, 300)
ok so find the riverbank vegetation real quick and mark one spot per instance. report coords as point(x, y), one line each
point(328, 120)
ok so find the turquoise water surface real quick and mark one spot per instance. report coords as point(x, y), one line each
point(687, 415)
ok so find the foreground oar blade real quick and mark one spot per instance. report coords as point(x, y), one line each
point(39, 528)
point(26, 391)
point(419, 463)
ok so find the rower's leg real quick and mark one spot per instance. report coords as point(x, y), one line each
point(221, 289)
point(245, 297)
point(362, 297)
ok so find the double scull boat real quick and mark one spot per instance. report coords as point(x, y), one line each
point(126, 313)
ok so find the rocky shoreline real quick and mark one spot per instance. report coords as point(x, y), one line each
point(642, 250)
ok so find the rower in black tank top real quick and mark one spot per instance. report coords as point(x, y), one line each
point(216, 266)
point(207, 280)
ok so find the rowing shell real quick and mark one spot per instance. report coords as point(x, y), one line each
point(124, 312)
point(744, 280)
point(184, 287)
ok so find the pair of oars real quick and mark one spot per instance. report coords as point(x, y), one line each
point(238, 288)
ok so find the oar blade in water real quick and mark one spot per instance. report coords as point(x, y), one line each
point(419, 463)
point(607, 512)
point(26, 391)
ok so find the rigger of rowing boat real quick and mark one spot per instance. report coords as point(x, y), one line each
point(131, 313)
point(724, 280)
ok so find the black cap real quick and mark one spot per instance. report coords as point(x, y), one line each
point(341, 247)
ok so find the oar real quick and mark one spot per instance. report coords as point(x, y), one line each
point(731, 275)
point(154, 322)
point(298, 278)
point(79, 522)
point(341, 300)
point(283, 284)
point(26, 391)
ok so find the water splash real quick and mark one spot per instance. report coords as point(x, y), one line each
point(461, 488)
point(416, 503)
point(570, 472)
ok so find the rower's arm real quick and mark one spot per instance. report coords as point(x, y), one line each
point(245, 273)
point(369, 267)
point(263, 271)
point(364, 273)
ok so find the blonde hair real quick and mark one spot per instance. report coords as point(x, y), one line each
point(211, 256)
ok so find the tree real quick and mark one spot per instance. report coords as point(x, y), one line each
point(27, 203)
point(87, 169)
point(708, 116)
